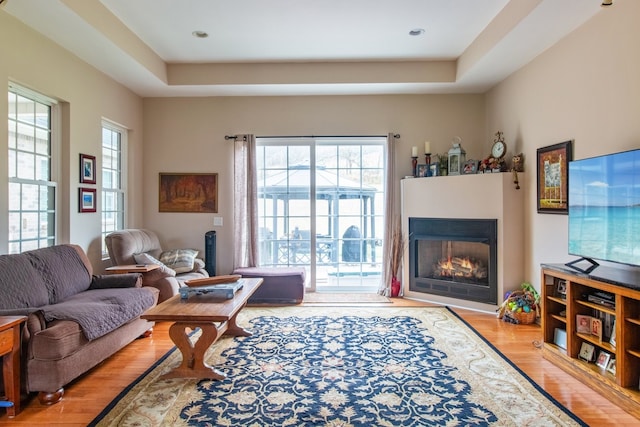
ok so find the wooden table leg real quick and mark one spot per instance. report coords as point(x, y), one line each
point(193, 364)
point(233, 329)
point(11, 367)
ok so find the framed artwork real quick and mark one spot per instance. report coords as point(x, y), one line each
point(561, 289)
point(611, 366)
point(470, 166)
point(553, 177)
point(434, 168)
point(422, 171)
point(86, 200)
point(87, 169)
point(603, 359)
point(188, 192)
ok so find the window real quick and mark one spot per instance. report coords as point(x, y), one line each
point(32, 189)
point(113, 194)
point(321, 206)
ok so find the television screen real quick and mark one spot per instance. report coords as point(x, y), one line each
point(604, 207)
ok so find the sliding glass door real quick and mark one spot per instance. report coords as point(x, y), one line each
point(320, 206)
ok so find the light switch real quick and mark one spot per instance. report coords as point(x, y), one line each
point(217, 221)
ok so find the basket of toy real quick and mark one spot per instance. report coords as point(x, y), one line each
point(520, 306)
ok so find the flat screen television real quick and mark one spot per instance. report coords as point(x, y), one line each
point(604, 209)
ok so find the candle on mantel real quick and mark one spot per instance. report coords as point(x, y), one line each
point(414, 151)
point(427, 147)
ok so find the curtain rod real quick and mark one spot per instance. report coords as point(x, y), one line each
point(395, 135)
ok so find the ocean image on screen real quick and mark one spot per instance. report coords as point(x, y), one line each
point(604, 207)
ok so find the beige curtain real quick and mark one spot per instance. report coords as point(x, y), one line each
point(390, 216)
point(245, 202)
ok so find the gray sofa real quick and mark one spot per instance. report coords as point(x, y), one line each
point(141, 246)
point(75, 319)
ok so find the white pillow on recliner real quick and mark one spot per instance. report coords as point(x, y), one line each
point(145, 258)
point(181, 260)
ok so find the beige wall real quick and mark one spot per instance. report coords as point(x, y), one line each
point(187, 135)
point(585, 88)
point(86, 97)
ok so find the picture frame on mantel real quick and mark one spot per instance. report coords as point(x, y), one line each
point(553, 178)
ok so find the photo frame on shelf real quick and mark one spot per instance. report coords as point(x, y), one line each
point(612, 338)
point(561, 289)
point(87, 169)
point(552, 178)
point(188, 192)
point(86, 200)
point(583, 324)
point(603, 359)
point(470, 167)
point(587, 352)
point(611, 366)
point(596, 328)
point(422, 170)
point(434, 169)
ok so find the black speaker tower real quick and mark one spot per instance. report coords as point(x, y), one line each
point(210, 252)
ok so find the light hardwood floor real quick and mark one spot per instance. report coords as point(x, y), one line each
point(87, 396)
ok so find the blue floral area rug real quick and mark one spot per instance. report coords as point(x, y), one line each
point(331, 366)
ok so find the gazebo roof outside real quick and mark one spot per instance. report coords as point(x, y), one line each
point(293, 184)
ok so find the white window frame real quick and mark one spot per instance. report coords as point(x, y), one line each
point(54, 168)
point(121, 188)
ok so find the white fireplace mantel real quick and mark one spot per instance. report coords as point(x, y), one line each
point(478, 196)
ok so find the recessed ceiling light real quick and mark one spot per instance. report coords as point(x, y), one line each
point(416, 32)
point(200, 34)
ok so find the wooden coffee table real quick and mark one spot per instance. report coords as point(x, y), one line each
point(201, 311)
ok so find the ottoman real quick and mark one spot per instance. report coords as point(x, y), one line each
point(281, 285)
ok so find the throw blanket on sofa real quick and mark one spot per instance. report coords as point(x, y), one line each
point(100, 311)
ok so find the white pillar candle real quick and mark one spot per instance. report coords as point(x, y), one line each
point(414, 151)
point(427, 147)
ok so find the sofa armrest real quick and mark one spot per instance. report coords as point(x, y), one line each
point(106, 281)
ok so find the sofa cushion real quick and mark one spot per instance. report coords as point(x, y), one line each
point(100, 311)
point(63, 271)
point(20, 284)
point(60, 339)
point(181, 260)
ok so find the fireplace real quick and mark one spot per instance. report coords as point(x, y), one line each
point(454, 258)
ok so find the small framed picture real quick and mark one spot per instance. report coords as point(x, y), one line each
point(87, 200)
point(612, 339)
point(603, 359)
point(422, 170)
point(611, 366)
point(587, 352)
point(583, 324)
point(87, 169)
point(470, 166)
point(596, 328)
point(561, 289)
point(434, 169)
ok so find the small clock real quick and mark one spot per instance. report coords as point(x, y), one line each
point(499, 148)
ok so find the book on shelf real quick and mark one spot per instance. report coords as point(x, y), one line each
point(560, 338)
